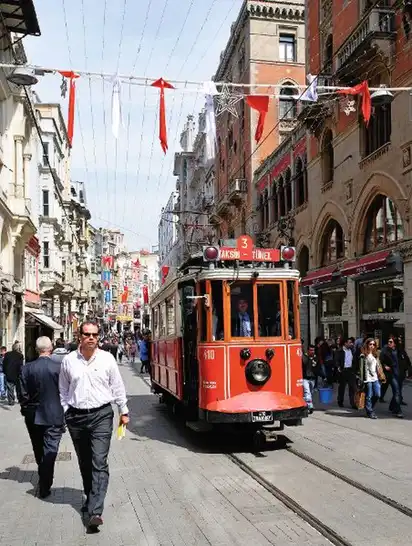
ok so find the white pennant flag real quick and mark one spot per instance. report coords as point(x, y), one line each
point(311, 93)
point(210, 121)
point(116, 108)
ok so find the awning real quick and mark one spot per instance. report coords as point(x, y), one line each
point(319, 276)
point(366, 264)
point(45, 320)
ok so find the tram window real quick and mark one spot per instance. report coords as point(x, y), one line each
point(162, 319)
point(241, 303)
point(217, 311)
point(170, 315)
point(270, 316)
point(291, 310)
point(203, 313)
point(156, 321)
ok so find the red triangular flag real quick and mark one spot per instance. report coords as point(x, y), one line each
point(261, 104)
point(162, 84)
point(72, 97)
point(361, 89)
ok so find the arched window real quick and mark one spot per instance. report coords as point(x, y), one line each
point(383, 224)
point(287, 102)
point(303, 261)
point(300, 183)
point(262, 212)
point(328, 159)
point(281, 197)
point(288, 191)
point(275, 203)
point(333, 243)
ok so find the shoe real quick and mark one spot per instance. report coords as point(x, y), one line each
point(399, 415)
point(95, 521)
point(310, 411)
point(372, 416)
point(340, 405)
point(44, 493)
point(403, 403)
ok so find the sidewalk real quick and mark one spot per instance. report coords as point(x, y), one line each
point(163, 491)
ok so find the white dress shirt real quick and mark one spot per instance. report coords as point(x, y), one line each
point(88, 384)
point(348, 358)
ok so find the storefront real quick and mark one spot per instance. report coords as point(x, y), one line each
point(379, 285)
point(329, 308)
point(38, 324)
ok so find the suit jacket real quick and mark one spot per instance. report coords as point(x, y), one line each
point(12, 365)
point(39, 392)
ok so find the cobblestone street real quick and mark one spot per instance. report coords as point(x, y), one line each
point(165, 490)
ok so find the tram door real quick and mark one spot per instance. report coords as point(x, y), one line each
point(189, 345)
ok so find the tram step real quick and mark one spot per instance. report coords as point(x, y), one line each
point(199, 426)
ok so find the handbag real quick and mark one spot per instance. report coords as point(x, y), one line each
point(381, 373)
point(360, 399)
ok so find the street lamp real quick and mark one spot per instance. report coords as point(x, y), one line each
point(22, 76)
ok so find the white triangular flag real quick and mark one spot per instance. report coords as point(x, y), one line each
point(116, 108)
point(210, 119)
point(311, 93)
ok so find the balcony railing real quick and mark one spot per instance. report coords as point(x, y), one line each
point(378, 23)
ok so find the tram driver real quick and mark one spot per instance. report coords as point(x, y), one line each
point(242, 322)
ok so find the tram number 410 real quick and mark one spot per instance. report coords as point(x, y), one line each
point(209, 354)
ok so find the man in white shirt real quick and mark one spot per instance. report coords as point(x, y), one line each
point(346, 367)
point(89, 382)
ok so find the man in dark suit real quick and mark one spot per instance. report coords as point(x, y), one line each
point(12, 365)
point(40, 405)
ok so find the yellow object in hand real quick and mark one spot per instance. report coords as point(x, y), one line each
point(121, 431)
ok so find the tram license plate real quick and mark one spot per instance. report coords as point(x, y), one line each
point(262, 416)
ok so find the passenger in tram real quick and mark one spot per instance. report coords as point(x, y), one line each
point(242, 322)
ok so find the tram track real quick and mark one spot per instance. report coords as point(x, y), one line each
point(405, 510)
point(327, 532)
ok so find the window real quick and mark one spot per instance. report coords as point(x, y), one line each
point(46, 255)
point(300, 183)
point(162, 319)
point(288, 191)
point(287, 48)
point(269, 309)
point(379, 130)
point(328, 55)
point(281, 194)
point(262, 212)
point(46, 205)
point(45, 153)
point(203, 313)
point(287, 102)
point(242, 316)
point(292, 307)
point(170, 316)
point(328, 159)
point(217, 311)
point(156, 322)
point(333, 247)
point(266, 208)
point(383, 224)
point(275, 202)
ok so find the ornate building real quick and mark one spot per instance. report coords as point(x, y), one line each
point(267, 44)
point(354, 235)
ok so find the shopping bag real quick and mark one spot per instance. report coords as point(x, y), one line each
point(360, 399)
point(381, 373)
point(121, 431)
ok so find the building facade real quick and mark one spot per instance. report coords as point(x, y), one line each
point(266, 45)
point(353, 235)
point(168, 233)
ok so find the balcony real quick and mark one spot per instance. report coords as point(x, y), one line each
point(237, 190)
point(207, 202)
point(223, 206)
point(50, 282)
point(374, 36)
point(313, 114)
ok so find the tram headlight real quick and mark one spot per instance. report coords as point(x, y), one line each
point(245, 354)
point(258, 372)
point(270, 353)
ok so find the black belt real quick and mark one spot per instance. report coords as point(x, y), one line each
point(91, 410)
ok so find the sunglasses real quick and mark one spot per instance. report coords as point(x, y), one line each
point(391, 341)
point(372, 344)
point(89, 334)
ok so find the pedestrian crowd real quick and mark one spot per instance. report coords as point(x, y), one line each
point(71, 386)
point(360, 365)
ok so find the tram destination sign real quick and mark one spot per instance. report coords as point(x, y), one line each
point(245, 251)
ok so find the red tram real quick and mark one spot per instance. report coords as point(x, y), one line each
point(226, 339)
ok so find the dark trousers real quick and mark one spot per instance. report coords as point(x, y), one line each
point(45, 441)
point(347, 377)
point(91, 433)
point(11, 391)
point(145, 367)
point(398, 387)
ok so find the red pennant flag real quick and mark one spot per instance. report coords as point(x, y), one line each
point(72, 98)
point(261, 104)
point(136, 263)
point(361, 89)
point(125, 294)
point(165, 273)
point(145, 294)
point(162, 84)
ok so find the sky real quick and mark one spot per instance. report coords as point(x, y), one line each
point(128, 180)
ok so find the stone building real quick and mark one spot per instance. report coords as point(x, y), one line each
point(354, 235)
point(266, 45)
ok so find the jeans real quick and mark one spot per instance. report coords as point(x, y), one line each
point(308, 386)
point(2, 385)
point(395, 405)
point(11, 392)
point(91, 432)
point(373, 393)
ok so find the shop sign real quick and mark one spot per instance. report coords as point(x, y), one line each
point(383, 316)
point(332, 318)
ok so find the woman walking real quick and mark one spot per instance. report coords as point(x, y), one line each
point(370, 370)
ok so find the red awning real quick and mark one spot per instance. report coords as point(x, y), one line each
point(366, 264)
point(319, 276)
